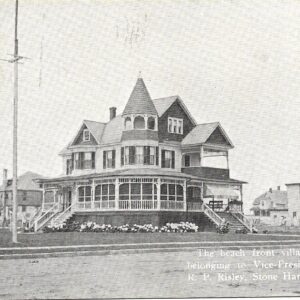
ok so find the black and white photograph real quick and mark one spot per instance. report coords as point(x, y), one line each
point(149, 149)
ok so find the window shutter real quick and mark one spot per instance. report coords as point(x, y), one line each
point(163, 158)
point(113, 158)
point(173, 159)
point(72, 161)
point(93, 160)
point(81, 159)
point(122, 156)
point(157, 156)
point(104, 159)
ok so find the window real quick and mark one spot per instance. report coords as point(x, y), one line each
point(180, 129)
point(86, 135)
point(69, 166)
point(84, 194)
point(109, 159)
point(168, 159)
point(187, 161)
point(137, 191)
point(105, 192)
point(171, 192)
point(84, 160)
point(294, 214)
point(139, 123)
point(143, 155)
point(175, 125)
point(23, 208)
point(128, 123)
point(151, 123)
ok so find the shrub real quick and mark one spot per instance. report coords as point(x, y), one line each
point(223, 228)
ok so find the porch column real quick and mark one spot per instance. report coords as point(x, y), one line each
point(241, 190)
point(117, 184)
point(76, 197)
point(184, 196)
point(43, 199)
point(93, 195)
point(158, 193)
point(227, 159)
point(201, 156)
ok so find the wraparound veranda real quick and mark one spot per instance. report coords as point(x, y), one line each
point(138, 200)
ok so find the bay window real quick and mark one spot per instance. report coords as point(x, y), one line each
point(139, 155)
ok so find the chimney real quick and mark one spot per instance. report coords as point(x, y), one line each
point(270, 190)
point(4, 177)
point(278, 188)
point(112, 112)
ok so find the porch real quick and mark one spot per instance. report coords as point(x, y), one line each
point(139, 194)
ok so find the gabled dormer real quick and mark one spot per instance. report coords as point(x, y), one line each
point(140, 118)
point(175, 120)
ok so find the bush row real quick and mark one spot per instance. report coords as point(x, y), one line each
point(93, 227)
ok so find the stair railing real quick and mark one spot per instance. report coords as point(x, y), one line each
point(35, 216)
point(211, 214)
point(45, 217)
point(244, 220)
point(62, 215)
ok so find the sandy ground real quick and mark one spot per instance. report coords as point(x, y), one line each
point(174, 274)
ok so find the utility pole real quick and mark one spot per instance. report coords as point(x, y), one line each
point(4, 223)
point(15, 135)
point(15, 61)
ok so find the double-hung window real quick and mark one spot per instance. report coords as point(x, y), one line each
point(175, 125)
point(168, 159)
point(84, 160)
point(109, 159)
point(86, 135)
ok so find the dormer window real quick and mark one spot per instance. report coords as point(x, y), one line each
point(86, 135)
point(175, 125)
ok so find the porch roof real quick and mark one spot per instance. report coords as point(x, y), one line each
point(124, 172)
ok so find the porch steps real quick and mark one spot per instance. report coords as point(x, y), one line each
point(234, 224)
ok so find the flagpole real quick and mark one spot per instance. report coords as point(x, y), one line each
point(15, 133)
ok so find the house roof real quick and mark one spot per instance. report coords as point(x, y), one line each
point(140, 101)
point(277, 196)
point(163, 104)
point(95, 128)
point(112, 132)
point(25, 182)
point(201, 133)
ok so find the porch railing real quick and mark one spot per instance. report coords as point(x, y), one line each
point(45, 217)
point(138, 204)
point(63, 216)
point(167, 204)
point(194, 206)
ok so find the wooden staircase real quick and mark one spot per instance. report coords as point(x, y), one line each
point(235, 224)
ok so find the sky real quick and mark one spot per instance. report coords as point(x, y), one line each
point(236, 62)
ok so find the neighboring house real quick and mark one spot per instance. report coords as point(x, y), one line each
point(151, 164)
point(293, 194)
point(271, 208)
point(29, 196)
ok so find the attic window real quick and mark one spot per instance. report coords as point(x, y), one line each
point(86, 135)
point(175, 125)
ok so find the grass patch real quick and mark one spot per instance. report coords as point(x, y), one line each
point(92, 238)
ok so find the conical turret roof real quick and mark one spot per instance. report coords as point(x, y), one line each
point(140, 101)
